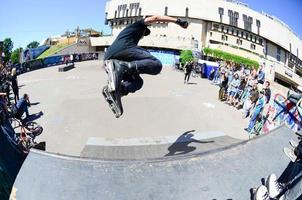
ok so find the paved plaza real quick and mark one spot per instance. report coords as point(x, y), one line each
point(75, 111)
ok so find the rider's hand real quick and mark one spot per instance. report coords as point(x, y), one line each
point(182, 23)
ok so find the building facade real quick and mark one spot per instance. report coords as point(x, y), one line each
point(219, 24)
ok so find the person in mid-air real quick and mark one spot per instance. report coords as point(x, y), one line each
point(125, 61)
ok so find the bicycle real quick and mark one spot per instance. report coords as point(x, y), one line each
point(27, 133)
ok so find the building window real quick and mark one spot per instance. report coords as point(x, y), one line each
point(136, 6)
point(227, 30)
point(233, 16)
point(290, 47)
point(139, 11)
point(239, 42)
point(166, 10)
point(232, 31)
point(115, 14)
point(242, 34)
point(258, 26)
point(260, 41)
point(187, 12)
point(215, 27)
point(247, 22)
point(224, 38)
point(246, 35)
point(211, 34)
point(237, 32)
point(220, 11)
point(127, 12)
point(124, 8)
point(253, 47)
point(222, 28)
point(106, 20)
point(278, 54)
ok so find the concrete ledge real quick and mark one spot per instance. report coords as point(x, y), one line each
point(66, 67)
point(158, 147)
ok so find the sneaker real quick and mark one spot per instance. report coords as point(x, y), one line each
point(290, 153)
point(116, 70)
point(114, 100)
point(247, 130)
point(293, 143)
point(261, 193)
point(274, 188)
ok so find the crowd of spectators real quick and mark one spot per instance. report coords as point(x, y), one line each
point(244, 88)
point(11, 107)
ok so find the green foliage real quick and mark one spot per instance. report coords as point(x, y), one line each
point(230, 57)
point(15, 56)
point(33, 44)
point(186, 56)
point(8, 46)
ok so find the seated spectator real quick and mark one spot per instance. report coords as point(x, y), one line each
point(257, 111)
point(22, 106)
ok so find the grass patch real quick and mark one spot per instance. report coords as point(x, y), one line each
point(52, 50)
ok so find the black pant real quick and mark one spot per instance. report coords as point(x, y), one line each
point(187, 76)
point(144, 63)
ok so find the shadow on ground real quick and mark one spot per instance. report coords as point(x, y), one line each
point(181, 145)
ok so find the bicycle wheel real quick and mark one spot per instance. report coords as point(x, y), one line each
point(34, 128)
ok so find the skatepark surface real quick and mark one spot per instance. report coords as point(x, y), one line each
point(174, 141)
point(226, 173)
point(75, 112)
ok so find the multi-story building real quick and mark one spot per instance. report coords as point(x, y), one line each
point(220, 24)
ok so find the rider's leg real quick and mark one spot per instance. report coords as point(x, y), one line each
point(131, 84)
point(140, 61)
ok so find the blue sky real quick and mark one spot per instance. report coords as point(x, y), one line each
point(28, 20)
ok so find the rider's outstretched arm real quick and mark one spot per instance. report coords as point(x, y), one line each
point(156, 18)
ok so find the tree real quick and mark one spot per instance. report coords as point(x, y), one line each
point(33, 44)
point(15, 56)
point(185, 56)
point(8, 46)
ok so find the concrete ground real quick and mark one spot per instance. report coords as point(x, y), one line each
point(75, 110)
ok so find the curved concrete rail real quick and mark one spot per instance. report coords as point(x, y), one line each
point(228, 173)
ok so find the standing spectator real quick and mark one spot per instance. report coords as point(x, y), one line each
point(233, 89)
point(254, 73)
point(250, 101)
point(22, 106)
point(223, 86)
point(261, 75)
point(71, 58)
point(267, 92)
point(188, 69)
point(14, 82)
point(258, 109)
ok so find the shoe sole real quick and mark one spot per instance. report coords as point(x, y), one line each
point(290, 154)
point(112, 103)
point(110, 70)
point(293, 144)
